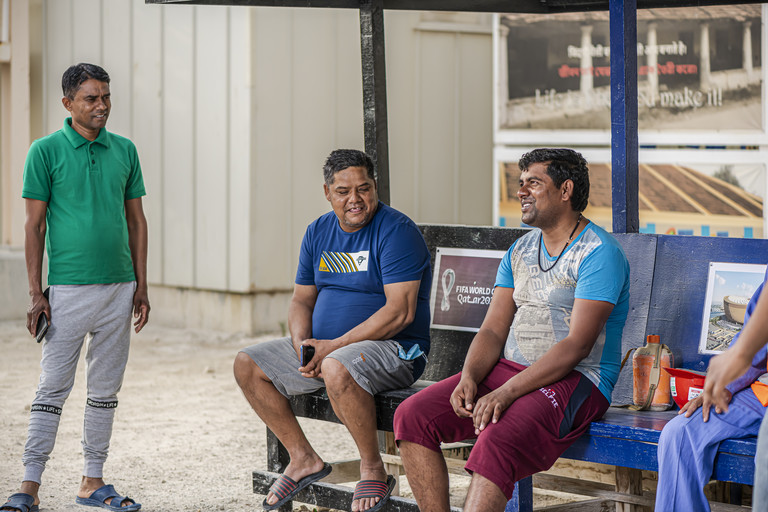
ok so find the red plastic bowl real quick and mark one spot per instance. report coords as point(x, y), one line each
point(685, 384)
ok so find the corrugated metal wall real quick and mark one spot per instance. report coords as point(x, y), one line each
point(234, 109)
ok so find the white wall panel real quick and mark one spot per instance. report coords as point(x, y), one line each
point(474, 134)
point(178, 151)
point(241, 146)
point(403, 73)
point(117, 22)
point(273, 239)
point(348, 98)
point(314, 113)
point(57, 58)
point(437, 166)
point(211, 107)
point(147, 126)
point(87, 31)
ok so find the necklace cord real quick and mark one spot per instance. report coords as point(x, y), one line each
point(570, 238)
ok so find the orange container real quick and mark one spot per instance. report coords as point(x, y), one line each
point(642, 370)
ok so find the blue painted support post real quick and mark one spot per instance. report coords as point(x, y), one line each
point(522, 499)
point(624, 182)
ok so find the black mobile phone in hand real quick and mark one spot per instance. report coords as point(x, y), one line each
point(42, 327)
point(307, 353)
point(42, 320)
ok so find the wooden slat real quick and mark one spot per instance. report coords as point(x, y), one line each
point(455, 466)
point(598, 505)
point(332, 496)
point(725, 507)
point(588, 488)
point(629, 481)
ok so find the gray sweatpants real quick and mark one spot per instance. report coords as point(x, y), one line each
point(102, 314)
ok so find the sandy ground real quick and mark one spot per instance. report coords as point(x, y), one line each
point(184, 438)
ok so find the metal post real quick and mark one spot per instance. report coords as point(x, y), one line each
point(623, 15)
point(375, 91)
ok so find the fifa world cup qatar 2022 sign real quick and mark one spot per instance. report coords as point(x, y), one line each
point(462, 287)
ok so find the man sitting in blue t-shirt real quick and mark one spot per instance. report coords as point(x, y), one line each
point(361, 302)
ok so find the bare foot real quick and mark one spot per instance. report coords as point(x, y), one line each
point(298, 469)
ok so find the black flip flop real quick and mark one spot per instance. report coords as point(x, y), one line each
point(285, 487)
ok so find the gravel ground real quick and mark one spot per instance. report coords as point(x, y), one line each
point(184, 437)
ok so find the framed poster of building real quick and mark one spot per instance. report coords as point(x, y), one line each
point(462, 287)
point(729, 288)
point(681, 192)
point(700, 76)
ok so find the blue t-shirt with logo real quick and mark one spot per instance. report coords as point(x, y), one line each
point(351, 269)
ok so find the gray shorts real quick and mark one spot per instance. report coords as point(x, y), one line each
point(374, 365)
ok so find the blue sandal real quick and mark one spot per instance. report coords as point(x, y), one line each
point(104, 497)
point(20, 501)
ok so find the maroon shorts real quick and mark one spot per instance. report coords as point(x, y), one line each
point(530, 435)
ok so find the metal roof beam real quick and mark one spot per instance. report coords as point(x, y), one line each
point(502, 6)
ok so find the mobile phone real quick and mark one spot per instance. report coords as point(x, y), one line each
point(307, 353)
point(42, 320)
point(42, 327)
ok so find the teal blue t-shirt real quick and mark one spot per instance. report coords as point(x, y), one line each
point(85, 184)
point(592, 267)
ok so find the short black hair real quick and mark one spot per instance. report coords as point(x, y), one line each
point(76, 74)
point(340, 159)
point(563, 164)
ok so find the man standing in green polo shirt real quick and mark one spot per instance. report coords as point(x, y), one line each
point(82, 188)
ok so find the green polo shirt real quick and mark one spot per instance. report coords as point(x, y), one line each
point(85, 185)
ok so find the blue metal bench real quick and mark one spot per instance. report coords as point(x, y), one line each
point(668, 285)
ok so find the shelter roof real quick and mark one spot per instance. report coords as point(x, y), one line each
point(505, 6)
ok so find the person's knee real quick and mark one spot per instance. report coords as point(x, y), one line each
point(410, 417)
point(675, 432)
point(245, 369)
point(336, 376)
point(485, 494)
point(54, 392)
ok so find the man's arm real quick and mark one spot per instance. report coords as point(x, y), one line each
point(34, 244)
point(300, 313)
point(137, 242)
point(731, 364)
point(485, 350)
point(395, 315)
point(587, 320)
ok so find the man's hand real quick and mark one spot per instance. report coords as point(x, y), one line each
point(322, 349)
point(38, 305)
point(490, 407)
point(463, 396)
point(723, 369)
point(692, 405)
point(140, 308)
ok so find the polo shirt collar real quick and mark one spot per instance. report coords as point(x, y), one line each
point(78, 140)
